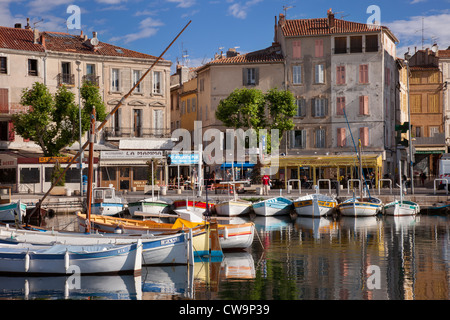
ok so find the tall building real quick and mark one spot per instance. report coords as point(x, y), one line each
point(330, 65)
point(142, 123)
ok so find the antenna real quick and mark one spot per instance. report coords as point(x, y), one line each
point(286, 8)
point(422, 30)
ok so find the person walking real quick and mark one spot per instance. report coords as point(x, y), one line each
point(266, 183)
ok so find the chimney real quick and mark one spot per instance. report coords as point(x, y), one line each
point(18, 26)
point(330, 19)
point(28, 24)
point(231, 53)
point(282, 20)
point(35, 36)
point(42, 40)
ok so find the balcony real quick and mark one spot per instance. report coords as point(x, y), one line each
point(66, 79)
point(138, 132)
point(92, 79)
point(13, 108)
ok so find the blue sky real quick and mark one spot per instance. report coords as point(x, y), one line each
point(150, 25)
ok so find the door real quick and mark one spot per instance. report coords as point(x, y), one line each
point(124, 178)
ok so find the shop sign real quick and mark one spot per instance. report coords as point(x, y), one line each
point(131, 154)
point(55, 159)
point(182, 158)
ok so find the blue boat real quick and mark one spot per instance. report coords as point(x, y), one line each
point(273, 207)
point(106, 201)
point(11, 211)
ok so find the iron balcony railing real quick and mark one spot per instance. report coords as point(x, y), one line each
point(137, 132)
point(66, 79)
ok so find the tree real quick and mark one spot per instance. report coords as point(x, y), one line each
point(251, 109)
point(53, 121)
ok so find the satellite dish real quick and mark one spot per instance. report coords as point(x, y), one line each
point(94, 41)
point(434, 48)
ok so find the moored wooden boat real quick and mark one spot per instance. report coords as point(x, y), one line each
point(150, 205)
point(232, 208)
point(401, 208)
point(231, 236)
point(106, 201)
point(11, 210)
point(314, 205)
point(64, 259)
point(272, 207)
point(357, 207)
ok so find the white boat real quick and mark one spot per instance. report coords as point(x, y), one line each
point(272, 207)
point(150, 205)
point(11, 210)
point(401, 207)
point(232, 208)
point(66, 259)
point(106, 201)
point(174, 248)
point(314, 205)
point(360, 207)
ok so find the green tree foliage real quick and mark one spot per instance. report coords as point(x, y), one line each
point(252, 109)
point(53, 120)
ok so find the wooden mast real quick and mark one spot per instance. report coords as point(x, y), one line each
point(90, 172)
point(100, 127)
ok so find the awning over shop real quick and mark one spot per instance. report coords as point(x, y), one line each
point(430, 150)
point(226, 165)
point(370, 160)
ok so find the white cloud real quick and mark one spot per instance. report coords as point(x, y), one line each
point(183, 3)
point(409, 32)
point(148, 28)
point(239, 10)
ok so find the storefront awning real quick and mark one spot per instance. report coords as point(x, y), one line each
point(370, 160)
point(237, 165)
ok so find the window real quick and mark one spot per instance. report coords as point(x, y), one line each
point(90, 69)
point(318, 52)
point(32, 67)
point(140, 173)
point(137, 122)
point(117, 121)
point(108, 174)
point(340, 75)
point(319, 107)
point(340, 105)
point(416, 103)
point(355, 44)
point(3, 65)
point(364, 105)
point(90, 74)
point(296, 49)
point(158, 121)
point(341, 137)
point(433, 103)
point(364, 136)
point(66, 73)
point(372, 43)
point(433, 131)
point(298, 139)
point(115, 80)
point(7, 132)
point(418, 131)
point(297, 74)
point(364, 73)
point(320, 73)
point(301, 107)
point(320, 138)
point(157, 88)
point(29, 175)
point(340, 45)
point(250, 76)
point(136, 78)
point(194, 104)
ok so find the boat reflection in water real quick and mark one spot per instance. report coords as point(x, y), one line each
point(125, 287)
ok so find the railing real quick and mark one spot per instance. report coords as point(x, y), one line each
point(137, 132)
point(299, 186)
point(324, 180)
point(379, 183)
point(445, 182)
point(13, 108)
point(66, 79)
point(92, 79)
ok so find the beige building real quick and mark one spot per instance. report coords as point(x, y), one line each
point(55, 59)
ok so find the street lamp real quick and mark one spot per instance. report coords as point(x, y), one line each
point(411, 169)
point(78, 63)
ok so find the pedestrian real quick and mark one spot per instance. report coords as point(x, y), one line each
point(266, 183)
point(423, 177)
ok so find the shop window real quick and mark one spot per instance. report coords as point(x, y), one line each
point(29, 175)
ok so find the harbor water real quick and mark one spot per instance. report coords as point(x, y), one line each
point(292, 258)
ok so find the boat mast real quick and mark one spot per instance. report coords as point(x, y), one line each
point(91, 171)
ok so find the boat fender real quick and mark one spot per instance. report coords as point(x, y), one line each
point(225, 234)
point(118, 230)
point(66, 260)
point(27, 261)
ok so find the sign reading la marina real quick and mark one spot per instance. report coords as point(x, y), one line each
point(131, 154)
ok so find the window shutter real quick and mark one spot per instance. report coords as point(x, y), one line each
point(11, 133)
point(256, 76)
point(319, 48)
point(364, 136)
point(296, 49)
point(244, 76)
point(326, 106)
point(304, 138)
point(313, 107)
